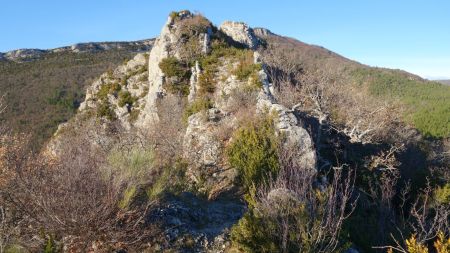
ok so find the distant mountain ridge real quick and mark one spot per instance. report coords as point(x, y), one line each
point(446, 82)
point(25, 54)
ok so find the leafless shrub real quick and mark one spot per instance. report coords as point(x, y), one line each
point(424, 217)
point(167, 135)
point(243, 104)
point(428, 217)
point(69, 196)
point(310, 208)
point(284, 70)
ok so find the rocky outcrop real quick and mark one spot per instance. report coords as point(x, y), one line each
point(22, 55)
point(204, 150)
point(167, 44)
point(241, 33)
point(261, 32)
point(132, 79)
point(140, 82)
point(193, 82)
point(205, 141)
point(287, 124)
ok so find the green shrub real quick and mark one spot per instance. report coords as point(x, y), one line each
point(128, 196)
point(172, 67)
point(131, 164)
point(254, 234)
point(253, 152)
point(125, 98)
point(134, 114)
point(245, 69)
point(206, 81)
point(177, 76)
point(106, 89)
point(104, 110)
point(50, 246)
point(200, 104)
point(171, 180)
point(173, 14)
point(442, 194)
point(177, 87)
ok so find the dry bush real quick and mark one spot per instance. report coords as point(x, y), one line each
point(284, 69)
point(323, 93)
point(297, 212)
point(401, 213)
point(167, 135)
point(70, 196)
point(243, 105)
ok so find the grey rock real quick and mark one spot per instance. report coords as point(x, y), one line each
point(207, 222)
point(240, 32)
point(259, 31)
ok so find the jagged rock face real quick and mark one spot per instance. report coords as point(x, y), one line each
point(167, 44)
point(240, 32)
point(204, 144)
point(293, 131)
point(193, 82)
point(204, 150)
point(132, 79)
point(262, 31)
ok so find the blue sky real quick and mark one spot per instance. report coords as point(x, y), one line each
point(412, 35)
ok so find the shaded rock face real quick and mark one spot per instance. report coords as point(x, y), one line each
point(240, 32)
point(204, 151)
point(205, 223)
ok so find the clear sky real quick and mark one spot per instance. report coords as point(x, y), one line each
point(413, 35)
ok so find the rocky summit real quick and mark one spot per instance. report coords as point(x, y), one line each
point(133, 93)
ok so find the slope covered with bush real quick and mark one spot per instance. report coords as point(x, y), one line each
point(221, 141)
point(43, 93)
